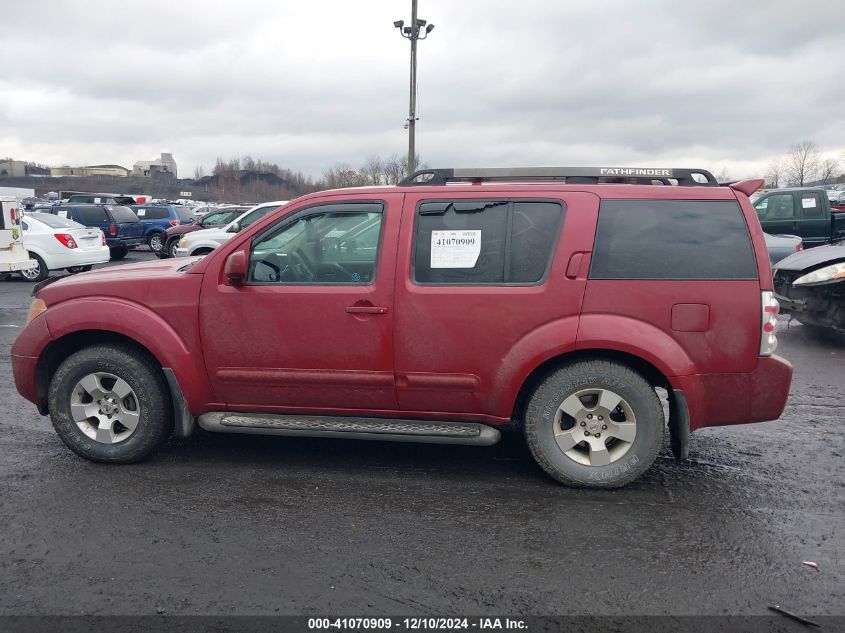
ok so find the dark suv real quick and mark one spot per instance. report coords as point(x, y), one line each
point(436, 311)
point(122, 228)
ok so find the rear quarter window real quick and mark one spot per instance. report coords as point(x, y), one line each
point(672, 239)
point(123, 214)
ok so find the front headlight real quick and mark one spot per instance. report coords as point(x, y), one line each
point(828, 273)
point(183, 243)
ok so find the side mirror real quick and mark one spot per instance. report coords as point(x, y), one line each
point(234, 228)
point(235, 269)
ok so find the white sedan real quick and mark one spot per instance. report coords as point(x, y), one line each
point(206, 240)
point(55, 242)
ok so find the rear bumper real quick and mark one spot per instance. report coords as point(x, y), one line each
point(722, 399)
point(10, 267)
point(116, 242)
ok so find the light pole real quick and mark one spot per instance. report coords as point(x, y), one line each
point(413, 33)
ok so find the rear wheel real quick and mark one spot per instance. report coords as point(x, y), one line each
point(594, 424)
point(118, 252)
point(39, 273)
point(155, 242)
point(110, 404)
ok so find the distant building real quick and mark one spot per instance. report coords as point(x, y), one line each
point(90, 170)
point(152, 168)
point(12, 168)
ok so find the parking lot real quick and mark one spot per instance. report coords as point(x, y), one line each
point(228, 524)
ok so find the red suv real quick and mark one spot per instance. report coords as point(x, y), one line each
point(435, 311)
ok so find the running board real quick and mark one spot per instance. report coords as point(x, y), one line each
point(386, 430)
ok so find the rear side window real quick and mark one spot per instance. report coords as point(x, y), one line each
point(123, 214)
point(811, 204)
point(151, 213)
point(479, 242)
point(672, 239)
point(92, 215)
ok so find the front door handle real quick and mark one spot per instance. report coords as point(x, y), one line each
point(366, 309)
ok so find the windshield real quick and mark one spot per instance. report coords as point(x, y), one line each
point(55, 222)
point(257, 214)
point(123, 214)
point(184, 213)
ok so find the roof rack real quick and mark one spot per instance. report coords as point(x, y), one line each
point(578, 175)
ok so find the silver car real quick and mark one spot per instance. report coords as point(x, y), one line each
point(780, 246)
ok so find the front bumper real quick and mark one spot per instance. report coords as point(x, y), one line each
point(723, 399)
point(10, 267)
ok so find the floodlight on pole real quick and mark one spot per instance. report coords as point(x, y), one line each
point(418, 30)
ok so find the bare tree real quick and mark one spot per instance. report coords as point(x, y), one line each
point(199, 172)
point(827, 170)
point(802, 163)
point(774, 173)
point(373, 171)
point(723, 175)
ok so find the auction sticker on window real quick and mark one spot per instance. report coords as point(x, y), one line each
point(455, 249)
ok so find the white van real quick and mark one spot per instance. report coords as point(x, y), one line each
point(13, 256)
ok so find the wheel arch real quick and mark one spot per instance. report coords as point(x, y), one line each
point(77, 324)
point(647, 370)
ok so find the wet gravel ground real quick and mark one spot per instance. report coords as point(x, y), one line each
point(247, 525)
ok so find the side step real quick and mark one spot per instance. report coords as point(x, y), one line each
point(383, 429)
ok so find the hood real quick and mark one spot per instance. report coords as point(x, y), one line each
point(813, 258)
point(112, 281)
point(179, 229)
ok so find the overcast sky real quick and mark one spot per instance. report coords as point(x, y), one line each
point(501, 82)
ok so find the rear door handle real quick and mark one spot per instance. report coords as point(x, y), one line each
point(366, 309)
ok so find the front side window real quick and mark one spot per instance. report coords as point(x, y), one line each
point(672, 239)
point(332, 244)
point(780, 206)
point(481, 242)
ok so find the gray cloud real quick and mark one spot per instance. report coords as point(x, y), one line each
point(720, 84)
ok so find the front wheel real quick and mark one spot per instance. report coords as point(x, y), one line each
point(110, 404)
point(78, 269)
point(39, 273)
point(594, 424)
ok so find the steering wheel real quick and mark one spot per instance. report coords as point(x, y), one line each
point(301, 265)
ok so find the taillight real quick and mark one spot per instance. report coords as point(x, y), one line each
point(799, 246)
point(12, 215)
point(174, 222)
point(65, 239)
point(770, 308)
point(112, 229)
point(102, 239)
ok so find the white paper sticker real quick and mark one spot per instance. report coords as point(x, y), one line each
point(62, 214)
point(141, 212)
point(808, 203)
point(96, 201)
point(455, 249)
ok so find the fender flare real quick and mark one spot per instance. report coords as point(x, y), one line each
point(142, 325)
point(635, 337)
point(532, 350)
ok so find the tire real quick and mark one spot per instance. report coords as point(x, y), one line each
point(39, 273)
point(201, 251)
point(148, 404)
point(628, 450)
point(118, 252)
point(154, 241)
point(78, 269)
